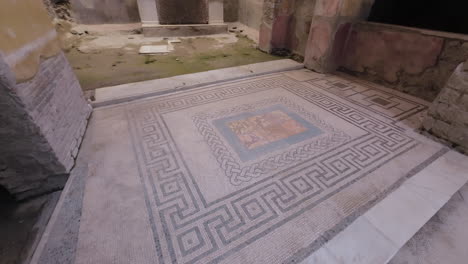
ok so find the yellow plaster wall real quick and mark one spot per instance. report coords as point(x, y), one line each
point(25, 36)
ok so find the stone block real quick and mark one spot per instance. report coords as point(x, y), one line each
point(319, 44)
point(389, 52)
point(441, 129)
point(280, 28)
point(444, 112)
point(464, 102)
point(459, 79)
point(41, 123)
point(458, 135)
point(327, 8)
point(105, 12)
point(265, 36)
point(449, 96)
point(448, 115)
point(463, 118)
point(216, 11)
point(428, 123)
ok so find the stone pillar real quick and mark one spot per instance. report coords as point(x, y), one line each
point(447, 117)
point(277, 15)
point(148, 12)
point(216, 11)
point(43, 113)
point(329, 30)
point(43, 122)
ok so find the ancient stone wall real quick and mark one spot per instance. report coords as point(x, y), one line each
point(231, 10)
point(43, 122)
point(299, 26)
point(447, 117)
point(251, 12)
point(54, 100)
point(42, 110)
point(27, 162)
point(182, 11)
point(329, 31)
point(275, 26)
point(414, 61)
point(105, 11)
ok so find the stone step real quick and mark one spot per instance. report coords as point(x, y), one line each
point(377, 235)
point(133, 91)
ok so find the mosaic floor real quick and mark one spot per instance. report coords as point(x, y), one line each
point(262, 170)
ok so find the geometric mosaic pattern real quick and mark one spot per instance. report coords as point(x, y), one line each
point(379, 101)
point(232, 166)
point(188, 229)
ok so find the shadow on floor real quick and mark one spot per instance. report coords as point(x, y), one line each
point(21, 224)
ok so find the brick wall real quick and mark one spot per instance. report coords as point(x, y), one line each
point(447, 117)
point(55, 101)
point(43, 122)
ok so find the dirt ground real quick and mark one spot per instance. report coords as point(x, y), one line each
point(108, 55)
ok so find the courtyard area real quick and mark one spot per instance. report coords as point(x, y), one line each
point(233, 131)
point(107, 55)
point(264, 169)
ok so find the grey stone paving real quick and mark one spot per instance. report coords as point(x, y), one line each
point(443, 239)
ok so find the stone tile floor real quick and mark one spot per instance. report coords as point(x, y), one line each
point(441, 240)
point(347, 180)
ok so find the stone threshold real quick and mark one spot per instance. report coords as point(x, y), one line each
point(377, 235)
point(134, 91)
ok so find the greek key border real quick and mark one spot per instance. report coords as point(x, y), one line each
point(208, 232)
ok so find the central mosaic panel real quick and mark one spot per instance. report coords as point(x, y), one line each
point(254, 140)
point(252, 134)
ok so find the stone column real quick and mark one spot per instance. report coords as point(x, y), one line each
point(277, 15)
point(329, 30)
point(148, 12)
point(216, 11)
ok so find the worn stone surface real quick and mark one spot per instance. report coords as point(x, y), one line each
point(327, 8)
point(62, 235)
point(22, 224)
point(329, 31)
point(276, 25)
point(26, 159)
point(320, 38)
point(182, 11)
point(43, 121)
point(388, 52)
point(300, 26)
point(55, 102)
point(105, 11)
point(441, 240)
point(409, 60)
point(231, 10)
point(250, 12)
point(448, 116)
